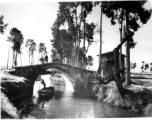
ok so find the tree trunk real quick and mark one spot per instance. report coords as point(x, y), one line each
point(16, 59)
point(83, 42)
point(117, 71)
point(100, 51)
point(38, 57)
point(33, 58)
point(127, 52)
point(120, 54)
point(12, 59)
point(79, 40)
point(76, 29)
point(29, 57)
point(84, 35)
point(20, 59)
point(8, 56)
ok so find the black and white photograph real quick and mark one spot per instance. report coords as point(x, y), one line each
point(75, 59)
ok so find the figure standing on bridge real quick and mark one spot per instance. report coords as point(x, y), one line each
point(43, 84)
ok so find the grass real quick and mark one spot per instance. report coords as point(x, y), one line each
point(11, 86)
point(148, 110)
point(7, 108)
point(110, 94)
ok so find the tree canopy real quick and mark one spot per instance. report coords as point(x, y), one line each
point(2, 25)
point(69, 29)
point(16, 38)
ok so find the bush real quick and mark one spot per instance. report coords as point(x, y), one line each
point(109, 93)
point(113, 95)
point(148, 110)
point(7, 109)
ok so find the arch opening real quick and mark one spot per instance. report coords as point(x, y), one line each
point(69, 83)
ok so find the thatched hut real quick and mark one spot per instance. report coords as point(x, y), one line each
point(107, 63)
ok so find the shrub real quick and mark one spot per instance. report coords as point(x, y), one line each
point(7, 108)
point(148, 110)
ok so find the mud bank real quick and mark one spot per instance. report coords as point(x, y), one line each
point(109, 94)
point(12, 88)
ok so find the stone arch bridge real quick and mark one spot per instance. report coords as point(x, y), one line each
point(81, 79)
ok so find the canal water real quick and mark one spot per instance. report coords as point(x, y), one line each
point(67, 104)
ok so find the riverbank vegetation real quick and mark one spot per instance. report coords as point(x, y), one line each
point(137, 99)
point(12, 88)
point(72, 37)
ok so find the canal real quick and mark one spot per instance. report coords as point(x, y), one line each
point(67, 104)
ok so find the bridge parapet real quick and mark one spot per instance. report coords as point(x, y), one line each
point(81, 77)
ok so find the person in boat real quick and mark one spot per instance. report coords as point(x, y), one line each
point(43, 84)
point(39, 78)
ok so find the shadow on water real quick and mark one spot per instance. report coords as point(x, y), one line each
point(68, 104)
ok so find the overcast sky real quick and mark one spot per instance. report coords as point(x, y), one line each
point(35, 20)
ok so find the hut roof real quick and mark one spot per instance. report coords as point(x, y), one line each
point(109, 53)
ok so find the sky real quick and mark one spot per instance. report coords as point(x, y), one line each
point(35, 19)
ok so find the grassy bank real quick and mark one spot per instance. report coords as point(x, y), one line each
point(12, 87)
point(138, 103)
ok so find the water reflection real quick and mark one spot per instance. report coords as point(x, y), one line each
point(67, 104)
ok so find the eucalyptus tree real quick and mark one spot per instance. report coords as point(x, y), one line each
point(133, 65)
point(29, 44)
point(2, 25)
point(134, 13)
point(43, 52)
point(143, 66)
point(68, 16)
point(150, 67)
point(100, 48)
point(146, 66)
point(86, 9)
point(32, 50)
point(54, 55)
point(90, 60)
point(89, 32)
point(65, 16)
point(9, 40)
point(17, 40)
point(41, 49)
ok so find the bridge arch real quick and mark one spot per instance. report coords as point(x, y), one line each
point(79, 78)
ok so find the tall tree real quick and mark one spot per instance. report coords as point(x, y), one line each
point(2, 25)
point(41, 49)
point(17, 40)
point(133, 66)
point(150, 67)
point(146, 66)
point(86, 8)
point(9, 40)
point(44, 57)
point(43, 52)
point(121, 21)
point(134, 13)
point(100, 48)
point(29, 44)
point(90, 61)
point(68, 44)
point(33, 49)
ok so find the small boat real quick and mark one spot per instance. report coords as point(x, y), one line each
point(46, 92)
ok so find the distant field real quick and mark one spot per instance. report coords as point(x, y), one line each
point(141, 79)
